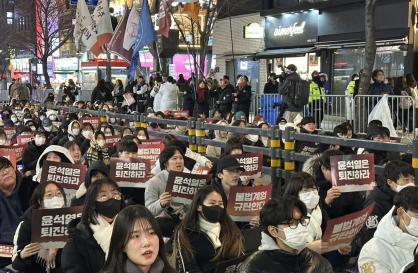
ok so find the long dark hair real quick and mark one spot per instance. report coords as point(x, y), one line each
point(297, 182)
point(232, 144)
point(230, 236)
point(38, 195)
point(89, 214)
point(122, 232)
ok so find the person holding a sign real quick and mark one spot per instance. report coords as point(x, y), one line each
point(207, 235)
point(52, 153)
point(89, 236)
point(33, 151)
point(33, 257)
point(284, 239)
point(137, 245)
point(396, 238)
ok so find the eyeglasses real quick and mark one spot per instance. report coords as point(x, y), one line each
point(314, 189)
point(237, 171)
point(294, 223)
point(104, 196)
point(50, 195)
point(5, 169)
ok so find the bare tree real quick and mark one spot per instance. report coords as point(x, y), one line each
point(370, 54)
point(51, 27)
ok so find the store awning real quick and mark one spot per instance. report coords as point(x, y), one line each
point(235, 56)
point(287, 52)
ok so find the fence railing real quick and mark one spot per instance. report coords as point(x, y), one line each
point(282, 160)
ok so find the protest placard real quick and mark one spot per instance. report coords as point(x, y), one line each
point(152, 141)
point(179, 113)
point(307, 148)
point(245, 203)
point(93, 120)
point(130, 172)
point(111, 140)
point(22, 139)
point(10, 155)
point(18, 150)
point(201, 170)
point(342, 230)
point(352, 172)
point(129, 97)
point(231, 266)
point(251, 162)
point(150, 151)
point(6, 251)
point(10, 131)
point(183, 186)
point(68, 175)
point(395, 139)
point(49, 226)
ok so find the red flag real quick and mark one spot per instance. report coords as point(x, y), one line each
point(116, 44)
point(164, 16)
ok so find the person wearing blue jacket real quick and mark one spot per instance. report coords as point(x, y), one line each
point(378, 87)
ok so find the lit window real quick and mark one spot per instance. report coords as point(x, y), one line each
point(9, 21)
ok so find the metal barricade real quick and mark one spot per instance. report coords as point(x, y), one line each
point(329, 110)
point(85, 94)
point(402, 114)
point(4, 96)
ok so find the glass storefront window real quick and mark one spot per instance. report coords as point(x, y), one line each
point(305, 64)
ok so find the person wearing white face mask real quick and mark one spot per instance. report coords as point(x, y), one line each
point(98, 149)
point(396, 176)
point(52, 115)
point(284, 239)
point(33, 151)
point(396, 238)
point(142, 133)
point(32, 257)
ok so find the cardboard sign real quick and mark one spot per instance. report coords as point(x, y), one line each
point(251, 162)
point(395, 139)
point(245, 203)
point(68, 175)
point(307, 148)
point(231, 266)
point(49, 226)
point(6, 251)
point(111, 140)
point(95, 121)
point(130, 172)
point(352, 172)
point(10, 155)
point(11, 131)
point(342, 230)
point(129, 97)
point(183, 186)
point(21, 139)
point(18, 150)
point(150, 151)
point(152, 141)
point(201, 170)
point(179, 113)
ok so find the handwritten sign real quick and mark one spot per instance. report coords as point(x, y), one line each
point(68, 175)
point(95, 121)
point(111, 140)
point(10, 131)
point(130, 172)
point(352, 172)
point(342, 230)
point(10, 155)
point(150, 151)
point(183, 186)
point(245, 203)
point(18, 150)
point(251, 162)
point(21, 139)
point(49, 226)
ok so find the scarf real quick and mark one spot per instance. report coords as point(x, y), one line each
point(212, 230)
point(314, 226)
point(46, 258)
point(93, 153)
point(102, 232)
point(201, 93)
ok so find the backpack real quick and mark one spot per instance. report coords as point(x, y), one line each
point(405, 103)
point(302, 91)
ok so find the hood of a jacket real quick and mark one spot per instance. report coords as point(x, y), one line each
point(70, 128)
point(51, 112)
point(311, 164)
point(19, 178)
point(217, 136)
point(63, 153)
point(97, 165)
point(388, 231)
point(81, 191)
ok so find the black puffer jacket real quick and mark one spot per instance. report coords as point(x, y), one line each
point(270, 258)
point(22, 239)
point(82, 253)
point(31, 155)
point(244, 100)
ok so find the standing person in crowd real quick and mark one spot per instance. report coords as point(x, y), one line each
point(228, 84)
point(243, 96)
point(71, 90)
point(117, 93)
point(189, 98)
point(412, 86)
point(182, 83)
point(11, 86)
point(141, 94)
point(137, 245)
point(207, 235)
point(287, 88)
point(33, 257)
point(15, 192)
point(226, 98)
point(317, 98)
point(283, 241)
point(203, 97)
point(378, 87)
point(271, 87)
point(89, 236)
point(349, 97)
point(324, 79)
point(396, 238)
point(20, 91)
point(101, 92)
point(165, 98)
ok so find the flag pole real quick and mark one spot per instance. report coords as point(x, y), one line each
point(158, 55)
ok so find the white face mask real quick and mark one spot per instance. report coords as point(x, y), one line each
point(86, 133)
point(412, 228)
point(399, 187)
point(282, 127)
point(39, 141)
point(101, 143)
point(54, 203)
point(14, 119)
point(142, 137)
point(2, 141)
point(253, 138)
point(48, 128)
point(296, 238)
point(310, 199)
point(52, 117)
point(76, 131)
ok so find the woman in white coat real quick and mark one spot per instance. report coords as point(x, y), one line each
point(166, 97)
